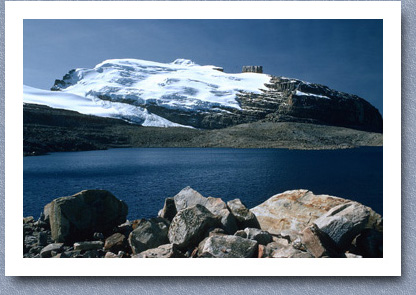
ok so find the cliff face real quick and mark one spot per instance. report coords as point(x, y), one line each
point(286, 100)
point(297, 101)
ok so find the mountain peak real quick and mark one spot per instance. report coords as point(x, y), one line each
point(184, 93)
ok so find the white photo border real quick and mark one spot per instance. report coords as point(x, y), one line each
point(17, 11)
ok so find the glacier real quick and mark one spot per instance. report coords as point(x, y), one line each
point(100, 108)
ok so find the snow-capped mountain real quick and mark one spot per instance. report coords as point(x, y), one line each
point(183, 93)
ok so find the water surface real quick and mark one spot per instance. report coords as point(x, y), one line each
point(144, 177)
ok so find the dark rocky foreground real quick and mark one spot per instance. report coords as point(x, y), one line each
point(55, 130)
point(299, 224)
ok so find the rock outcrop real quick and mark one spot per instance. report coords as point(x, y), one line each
point(293, 224)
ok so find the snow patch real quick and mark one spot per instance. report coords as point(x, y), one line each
point(300, 93)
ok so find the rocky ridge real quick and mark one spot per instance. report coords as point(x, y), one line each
point(298, 224)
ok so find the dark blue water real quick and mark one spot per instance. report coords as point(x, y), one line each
point(144, 177)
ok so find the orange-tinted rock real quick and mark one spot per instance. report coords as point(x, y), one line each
point(293, 210)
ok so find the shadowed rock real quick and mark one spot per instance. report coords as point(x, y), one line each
point(169, 209)
point(245, 218)
point(344, 222)
point(77, 217)
point(149, 234)
point(115, 243)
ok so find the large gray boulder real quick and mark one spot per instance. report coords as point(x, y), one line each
point(88, 245)
point(149, 234)
point(245, 218)
point(77, 217)
point(189, 197)
point(190, 225)
point(46, 252)
point(344, 222)
point(281, 248)
point(115, 243)
point(227, 247)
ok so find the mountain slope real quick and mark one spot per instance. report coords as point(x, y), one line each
point(184, 93)
point(54, 130)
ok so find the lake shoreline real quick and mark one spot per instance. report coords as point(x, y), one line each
point(292, 224)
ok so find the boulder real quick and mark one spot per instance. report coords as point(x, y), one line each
point(263, 237)
point(245, 218)
point(293, 210)
point(169, 209)
point(46, 252)
point(86, 246)
point(281, 248)
point(116, 242)
point(318, 243)
point(227, 247)
point(120, 254)
point(290, 252)
point(163, 251)
point(189, 226)
point(77, 217)
point(188, 197)
point(149, 234)
point(110, 255)
point(344, 222)
point(267, 251)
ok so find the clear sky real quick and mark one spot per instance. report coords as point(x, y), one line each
point(346, 55)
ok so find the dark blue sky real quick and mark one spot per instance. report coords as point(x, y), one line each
point(346, 55)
